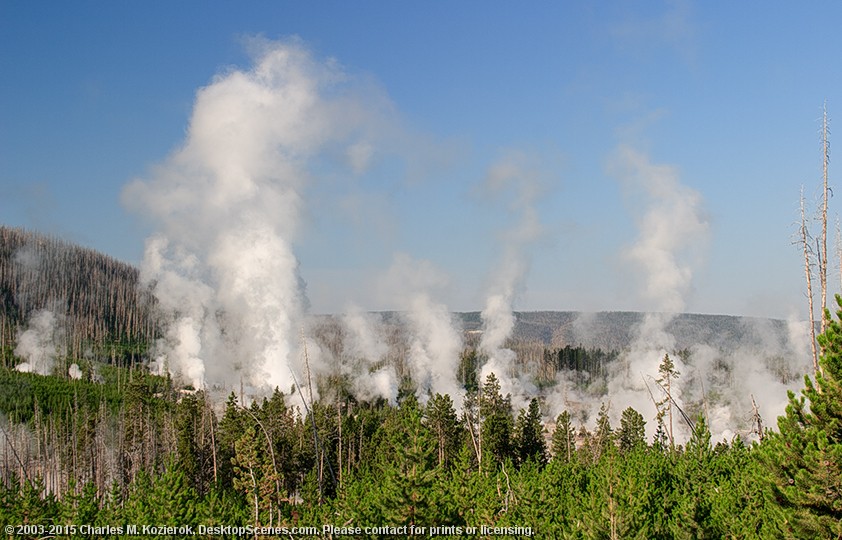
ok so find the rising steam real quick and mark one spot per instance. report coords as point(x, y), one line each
point(435, 344)
point(673, 232)
point(365, 354)
point(227, 206)
point(41, 344)
point(511, 175)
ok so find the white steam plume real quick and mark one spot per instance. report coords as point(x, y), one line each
point(511, 173)
point(74, 372)
point(41, 344)
point(364, 348)
point(435, 343)
point(672, 235)
point(672, 230)
point(227, 205)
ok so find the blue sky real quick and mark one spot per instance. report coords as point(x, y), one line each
point(94, 94)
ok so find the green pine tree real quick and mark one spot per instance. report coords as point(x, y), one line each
point(497, 424)
point(632, 431)
point(692, 513)
point(804, 458)
point(444, 425)
point(666, 375)
point(407, 494)
point(564, 438)
point(603, 436)
point(529, 435)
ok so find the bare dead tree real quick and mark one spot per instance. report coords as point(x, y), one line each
point(839, 249)
point(99, 299)
point(757, 421)
point(825, 196)
point(804, 241)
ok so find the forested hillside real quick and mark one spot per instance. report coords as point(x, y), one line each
point(94, 299)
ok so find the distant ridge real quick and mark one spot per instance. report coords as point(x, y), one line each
point(615, 330)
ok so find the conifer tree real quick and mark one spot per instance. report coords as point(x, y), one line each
point(442, 422)
point(407, 494)
point(497, 424)
point(247, 477)
point(529, 435)
point(804, 458)
point(564, 438)
point(231, 427)
point(666, 374)
point(603, 434)
point(632, 431)
point(185, 425)
point(660, 440)
point(474, 494)
point(693, 494)
point(82, 507)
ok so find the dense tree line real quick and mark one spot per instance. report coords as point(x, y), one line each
point(350, 463)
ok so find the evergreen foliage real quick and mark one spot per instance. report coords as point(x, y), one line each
point(497, 424)
point(529, 435)
point(804, 458)
point(564, 438)
point(393, 472)
point(443, 423)
point(632, 433)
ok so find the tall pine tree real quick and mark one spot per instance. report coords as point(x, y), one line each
point(529, 435)
point(564, 438)
point(805, 458)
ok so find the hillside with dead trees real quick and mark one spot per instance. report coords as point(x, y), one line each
point(94, 299)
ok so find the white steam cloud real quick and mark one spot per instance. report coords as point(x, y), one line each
point(435, 343)
point(74, 372)
point(227, 205)
point(41, 344)
point(672, 235)
point(365, 351)
point(672, 232)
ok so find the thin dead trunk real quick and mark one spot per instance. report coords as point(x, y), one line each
point(825, 197)
point(808, 274)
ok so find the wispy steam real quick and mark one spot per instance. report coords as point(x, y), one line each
point(672, 230)
point(672, 234)
point(227, 205)
point(513, 175)
point(364, 350)
point(435, 343)
point(41, 344)
point(74, 372)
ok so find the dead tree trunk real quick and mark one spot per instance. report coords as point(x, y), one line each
point(825, 197)
point(803, 239)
